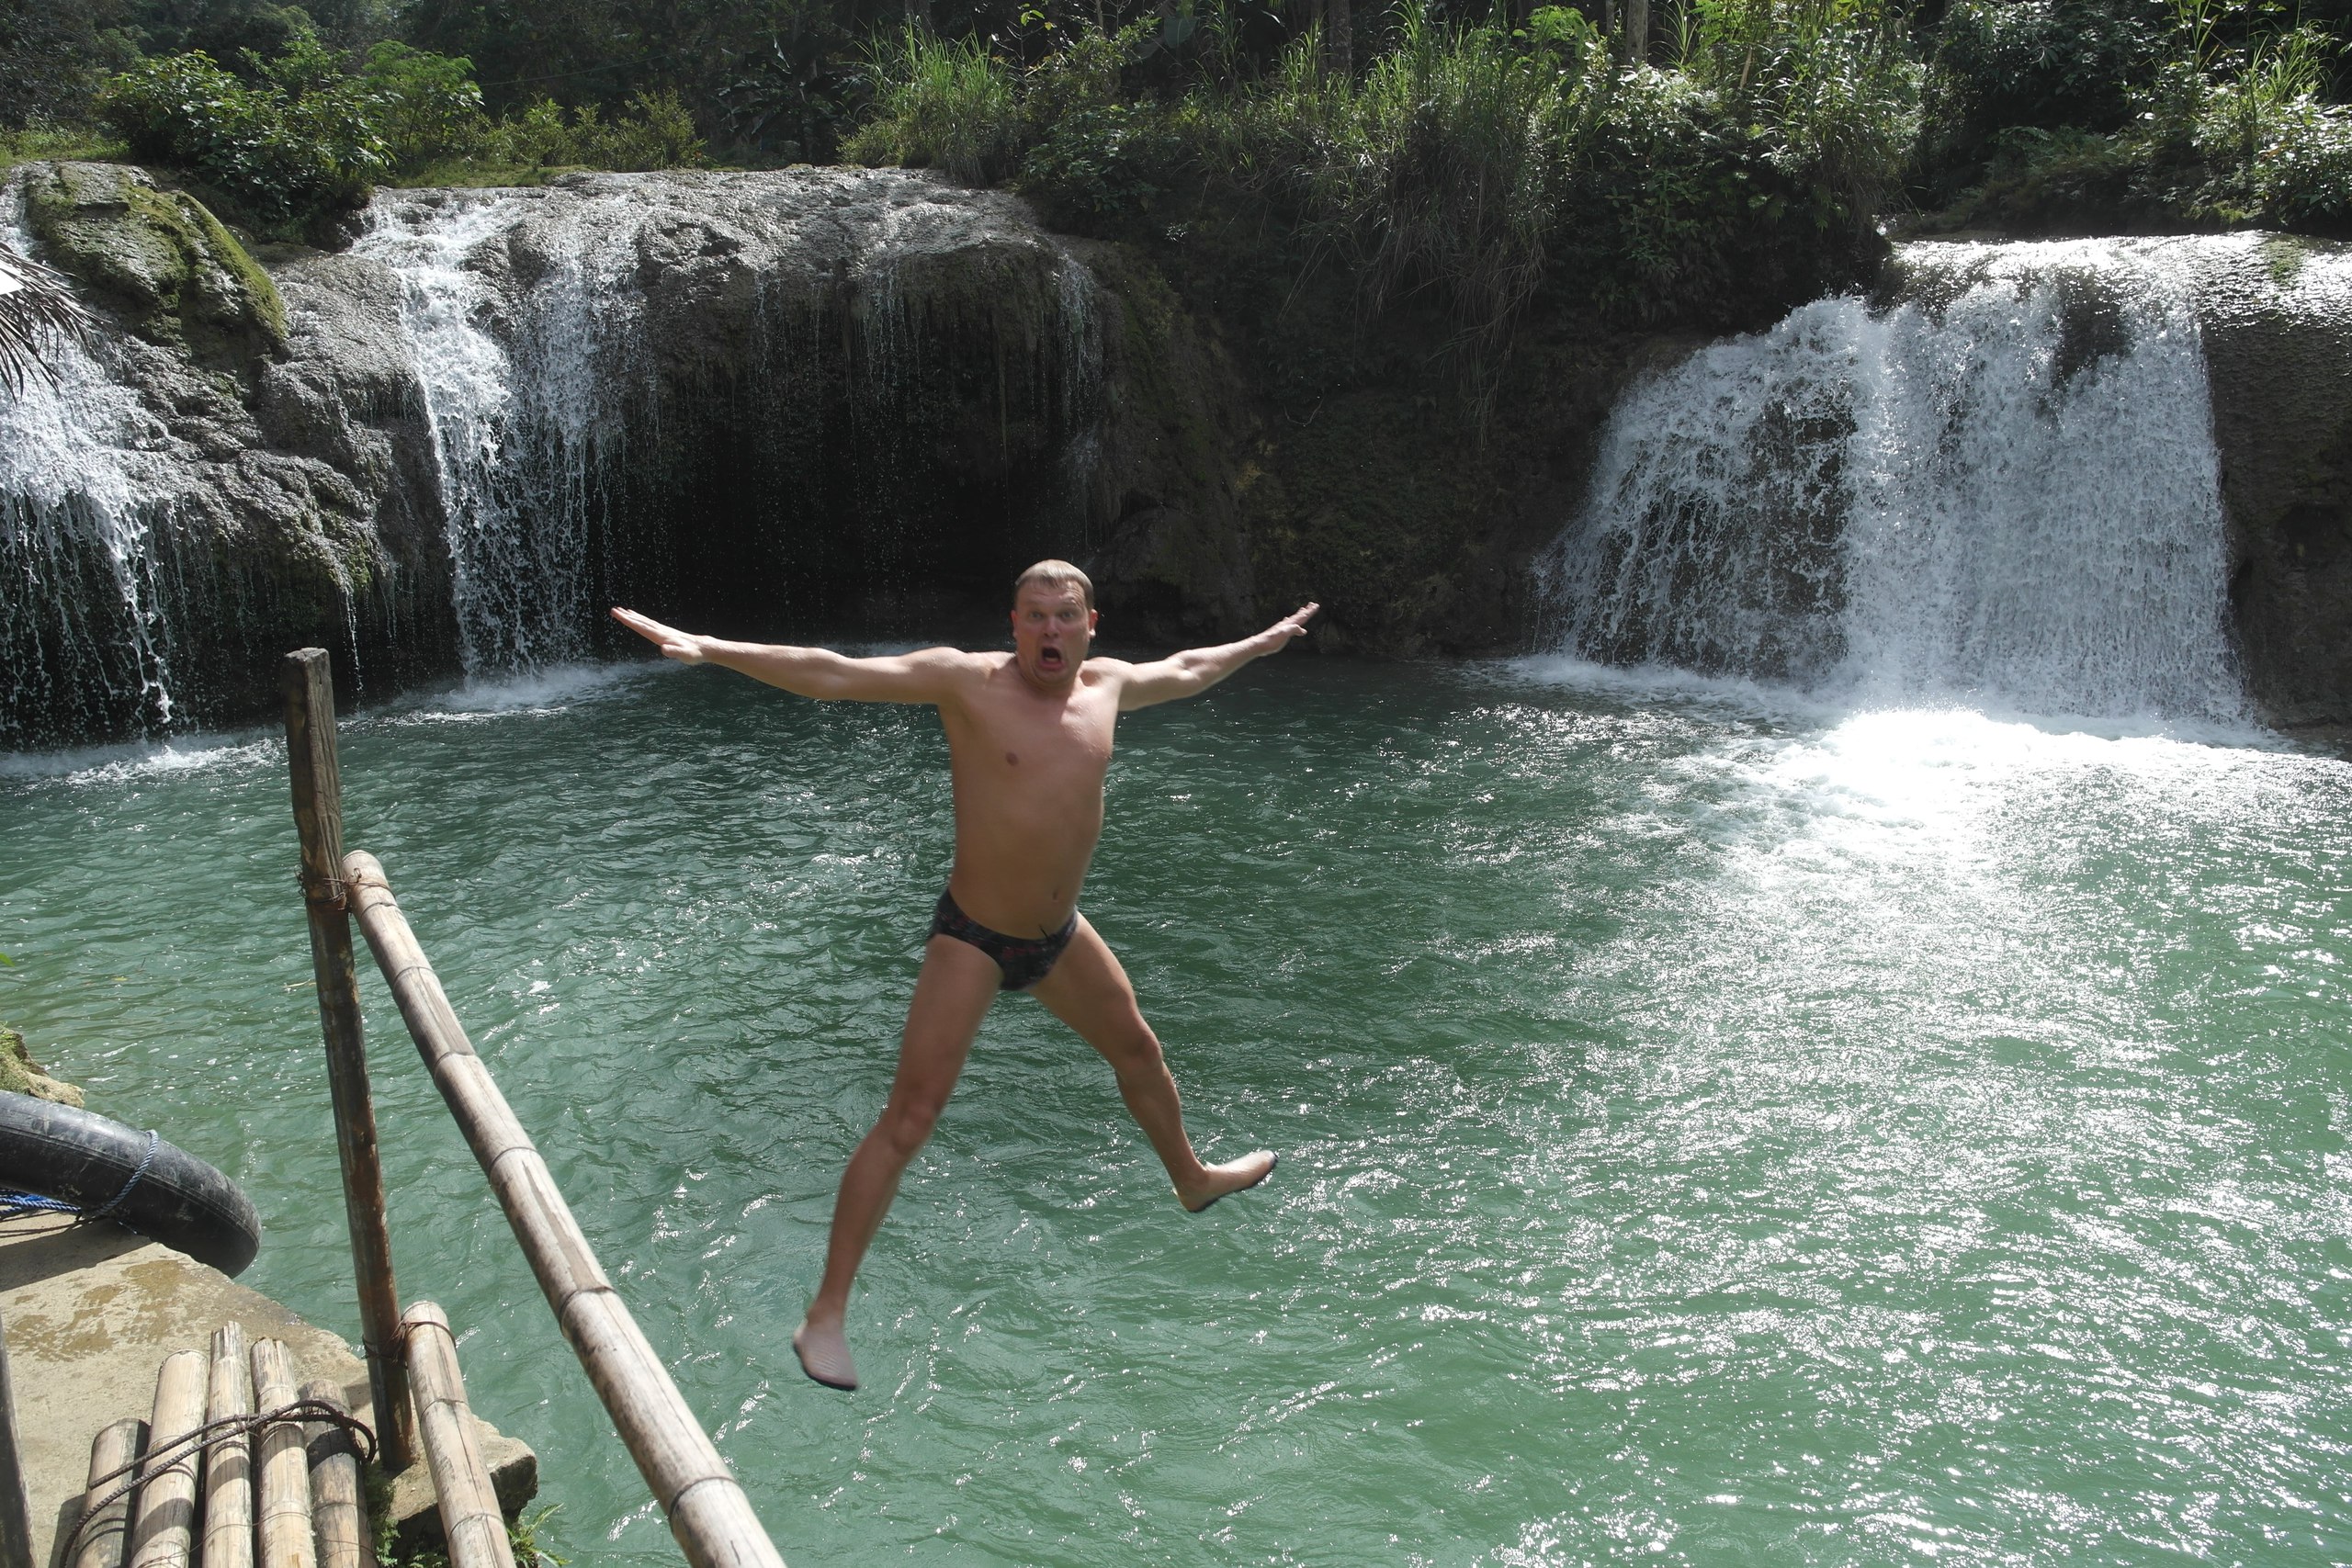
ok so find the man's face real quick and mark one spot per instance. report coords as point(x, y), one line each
point(1052, 628)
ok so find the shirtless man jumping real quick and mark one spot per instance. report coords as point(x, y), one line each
point(1028, 742)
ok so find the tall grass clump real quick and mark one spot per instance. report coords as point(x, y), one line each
point(1442, 169)
point(947, 104)
point(1471, 167)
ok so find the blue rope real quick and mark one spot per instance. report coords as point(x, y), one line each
point(18, 1205)
point(145, 1161)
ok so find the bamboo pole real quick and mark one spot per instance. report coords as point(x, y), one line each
point(338, 1501)
point(282, 1459)
point(708, 1513)
point(318, 818)
point(162, 1525)
point(229, 1465)
point(16, 1515)
point(470, 1516)
point(107, 1503)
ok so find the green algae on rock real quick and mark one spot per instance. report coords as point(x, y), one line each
point(173, 270)
point(19, 1074)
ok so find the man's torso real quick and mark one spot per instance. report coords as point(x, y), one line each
point(1028, 775)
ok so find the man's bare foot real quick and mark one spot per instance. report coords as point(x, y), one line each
point(824, 1356)
point(1235, 1175)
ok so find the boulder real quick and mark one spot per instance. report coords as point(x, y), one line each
point(2279, 352)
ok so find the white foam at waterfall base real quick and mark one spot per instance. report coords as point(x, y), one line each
point(519, 429)
point(2005, 496)
point(74, 478)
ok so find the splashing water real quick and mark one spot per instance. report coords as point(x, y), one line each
point(521, 423)
point(84, 597)
point(2002, 490)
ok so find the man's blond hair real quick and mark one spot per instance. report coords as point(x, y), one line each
point(1056, 574)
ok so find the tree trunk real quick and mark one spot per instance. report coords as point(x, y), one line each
point(1339, 30)
point(1637, 32)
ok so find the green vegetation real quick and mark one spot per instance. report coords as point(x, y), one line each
point(1467, 154)
point(2085, 115)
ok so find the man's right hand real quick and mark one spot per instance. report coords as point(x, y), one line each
point(683, 647)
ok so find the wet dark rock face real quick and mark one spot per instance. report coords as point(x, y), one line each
point(2280, 360)
point(243, 469)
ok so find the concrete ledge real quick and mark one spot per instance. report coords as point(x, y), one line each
point(90, 1314)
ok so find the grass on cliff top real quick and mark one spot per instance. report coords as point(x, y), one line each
point(75, 145)
point(1465, 165)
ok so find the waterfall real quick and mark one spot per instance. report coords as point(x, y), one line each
point(591, 442)
point(523, 418)
point(89, 585)
point(2000, 489)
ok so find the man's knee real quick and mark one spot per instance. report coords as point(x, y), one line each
point(906, 1123)
point(1135, 1051)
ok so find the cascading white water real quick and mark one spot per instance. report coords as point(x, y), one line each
point(526, 312)
point(83, 618)
point(2003, 489)
point(520, 422)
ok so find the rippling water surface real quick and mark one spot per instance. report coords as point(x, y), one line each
point(1714, 1130)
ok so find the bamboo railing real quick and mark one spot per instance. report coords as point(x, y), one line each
point(708, 1513)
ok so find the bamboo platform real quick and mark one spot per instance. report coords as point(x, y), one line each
point(93, 1312)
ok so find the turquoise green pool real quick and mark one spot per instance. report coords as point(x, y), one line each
point(1715, 1129)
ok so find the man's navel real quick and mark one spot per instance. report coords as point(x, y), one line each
point(1013, 759)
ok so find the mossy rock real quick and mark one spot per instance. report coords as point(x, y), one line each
point(19, 1074)
point(170, 268)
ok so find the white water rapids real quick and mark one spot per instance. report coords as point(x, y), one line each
point(2002, 490)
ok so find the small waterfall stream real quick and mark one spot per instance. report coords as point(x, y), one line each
point(555, 422)
point(522, 419)
point(2001, 488)
point(87, 611)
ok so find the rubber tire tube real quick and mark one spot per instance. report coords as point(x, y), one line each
point(84, 1158)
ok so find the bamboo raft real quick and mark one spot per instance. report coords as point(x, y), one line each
point(210, 1479)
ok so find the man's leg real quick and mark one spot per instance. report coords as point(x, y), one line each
point(952, 995)
point(1089, 990)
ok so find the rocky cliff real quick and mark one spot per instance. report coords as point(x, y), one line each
point(834, 402)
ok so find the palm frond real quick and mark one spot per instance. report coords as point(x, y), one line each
point(36, 310)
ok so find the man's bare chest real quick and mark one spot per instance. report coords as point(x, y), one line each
point(1045, 743)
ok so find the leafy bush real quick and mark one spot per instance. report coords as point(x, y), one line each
point(425, 106)
point(1104, 163)
point(301, 142)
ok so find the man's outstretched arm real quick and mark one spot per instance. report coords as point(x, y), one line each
point(1197, 670)
point(921, 676)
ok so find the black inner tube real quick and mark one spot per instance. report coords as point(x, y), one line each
point(79, 1161)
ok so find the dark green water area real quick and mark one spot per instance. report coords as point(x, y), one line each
point(1715, 1129)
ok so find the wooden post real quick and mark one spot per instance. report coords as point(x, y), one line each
point(229, 1465)
point(338, 1502)
point(16, 1515)
point(163, 1526)
point(469, 1512)
point(318, 817)
point(708, 1510)
point(106, 1539)
point(282, 1458)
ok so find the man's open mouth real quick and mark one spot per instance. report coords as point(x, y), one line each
point(1049, 657)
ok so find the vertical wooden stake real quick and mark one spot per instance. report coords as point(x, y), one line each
point(338, 1501)
point(318, 817)
point(16, 1517)
point(284, 1536)
point(469, 1512)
